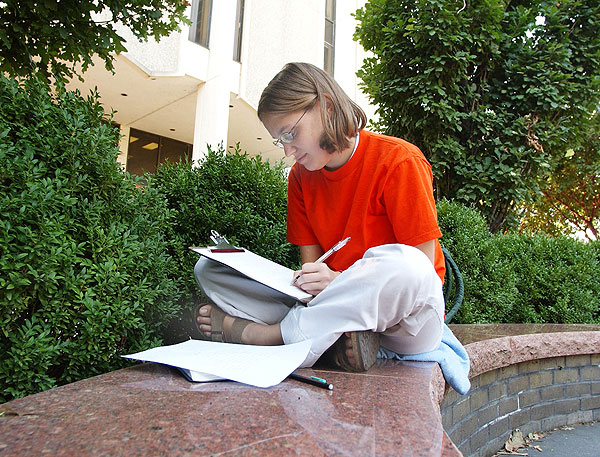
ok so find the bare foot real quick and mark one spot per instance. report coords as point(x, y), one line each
point(253, 333)
point(203, 320)
point(349, 350)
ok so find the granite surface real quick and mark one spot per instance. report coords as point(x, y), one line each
point(152, 410)
point(472, 333)
point(493, 346)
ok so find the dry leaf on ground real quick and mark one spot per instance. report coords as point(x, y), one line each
point(515, 441)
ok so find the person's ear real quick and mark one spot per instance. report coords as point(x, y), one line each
point(328, 104)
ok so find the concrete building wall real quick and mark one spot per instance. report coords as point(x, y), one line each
point(181, 90)
point(281, 32)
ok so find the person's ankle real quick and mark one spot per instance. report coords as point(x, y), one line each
point(261, 334)
point(254, 334)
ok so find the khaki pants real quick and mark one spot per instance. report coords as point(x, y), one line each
point(393, 289)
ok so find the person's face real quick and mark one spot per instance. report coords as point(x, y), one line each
point(307, 131)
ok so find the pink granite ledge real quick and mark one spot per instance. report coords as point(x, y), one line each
point(495, 346)
point(148, 409)
point(151, 410)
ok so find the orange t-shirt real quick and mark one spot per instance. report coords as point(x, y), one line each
point(382, 195)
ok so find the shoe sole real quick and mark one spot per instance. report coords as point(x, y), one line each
point(365, 346)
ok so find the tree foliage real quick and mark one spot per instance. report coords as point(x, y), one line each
point(492, 91)
point(570, 196)
point(51, 36)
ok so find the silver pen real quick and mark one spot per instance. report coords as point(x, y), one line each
point(321, 259)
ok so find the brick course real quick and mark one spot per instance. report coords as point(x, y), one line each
point(535, 396)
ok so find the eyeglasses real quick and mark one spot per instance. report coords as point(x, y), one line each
point(288, 137)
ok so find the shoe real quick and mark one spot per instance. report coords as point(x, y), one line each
point(217, 316)
point(365, 346)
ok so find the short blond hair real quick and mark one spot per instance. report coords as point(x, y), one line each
point(297, 86)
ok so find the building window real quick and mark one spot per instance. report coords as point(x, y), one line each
point(237, 37)
point(147, 151)
point(200, 28)
point(329, 36)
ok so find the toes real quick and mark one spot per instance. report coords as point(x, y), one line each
point(203, 320)
point(350, 355)
point(350, 351)
point(205, 310)
point(203, 316)
point(204, 329)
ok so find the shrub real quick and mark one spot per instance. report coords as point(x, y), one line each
point(520, 278)
point(486, 280)
point(241, 197)
point(557, 278)
point(92, 266)
point(85, 275)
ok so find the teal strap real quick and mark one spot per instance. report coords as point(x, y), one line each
point(452, 275)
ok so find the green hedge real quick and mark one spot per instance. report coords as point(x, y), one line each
point(241, 197)
point(84, 270)
point(524, 278)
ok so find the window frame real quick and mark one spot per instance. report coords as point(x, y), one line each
point(238, 31)
point(206, 6)
point(329, 47)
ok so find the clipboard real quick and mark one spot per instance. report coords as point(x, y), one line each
point(254, 266)
point(221, 243)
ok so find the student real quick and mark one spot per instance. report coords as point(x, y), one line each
point(385, 286)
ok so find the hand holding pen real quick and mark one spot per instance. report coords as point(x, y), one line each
point(322, 259)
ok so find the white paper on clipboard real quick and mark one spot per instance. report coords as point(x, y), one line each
point(259, 268)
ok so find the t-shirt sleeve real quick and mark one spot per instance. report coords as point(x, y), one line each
point(299, 230)
point(409, 202)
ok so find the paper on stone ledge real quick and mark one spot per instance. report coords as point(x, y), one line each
point(260, 366)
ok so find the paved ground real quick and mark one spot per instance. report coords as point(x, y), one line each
point(582, 441)
point(577, 441)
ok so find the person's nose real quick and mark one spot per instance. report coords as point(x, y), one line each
point(288, 149)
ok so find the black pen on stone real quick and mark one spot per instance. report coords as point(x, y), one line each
point(313, 380)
